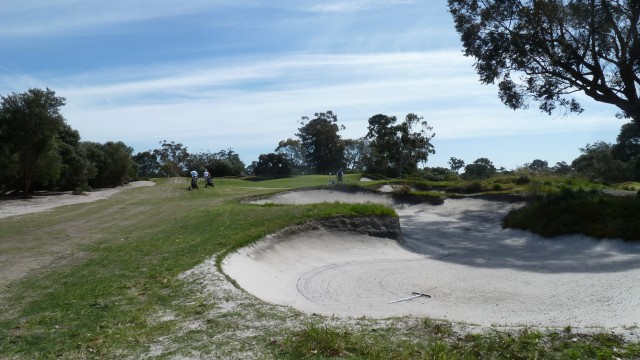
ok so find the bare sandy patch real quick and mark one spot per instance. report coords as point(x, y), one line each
point(47, 201)
point(302, 197)
point(475, 271)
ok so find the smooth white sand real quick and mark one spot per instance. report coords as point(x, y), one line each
point(475, 271)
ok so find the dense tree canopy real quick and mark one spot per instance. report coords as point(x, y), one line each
point(294, 152)
point(398, 147)
point(322, 145)
point(545, 50)
point(147, 164)
point(597, 163)
point(75, 167)
point(272, 164)
point(482, 168)
point(357, 153)
point(29, 124)
point(627, 145)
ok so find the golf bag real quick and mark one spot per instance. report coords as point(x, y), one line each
point(194, 182)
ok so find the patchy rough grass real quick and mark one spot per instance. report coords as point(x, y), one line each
point(430, 339)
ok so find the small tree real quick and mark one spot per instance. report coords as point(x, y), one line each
point(456, 164)
point(482, 168)
point(538, 165)
point(561, 168)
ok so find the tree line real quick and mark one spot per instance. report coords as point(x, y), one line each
point(40, 151)
point(390, 147)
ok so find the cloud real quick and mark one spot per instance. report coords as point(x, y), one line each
point(47, 18)
point(355, 5)
point(250, 104)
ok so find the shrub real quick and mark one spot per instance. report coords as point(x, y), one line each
point(523, 179)
point(474, 187)
point(579, 212)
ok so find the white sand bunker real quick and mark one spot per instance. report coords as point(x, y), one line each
point(317, 196)
point(474, 270)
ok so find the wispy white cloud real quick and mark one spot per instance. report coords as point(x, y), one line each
point(34, 17)
point(252, 104)
point(342, 6)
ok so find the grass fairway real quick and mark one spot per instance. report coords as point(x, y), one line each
point(107, 284)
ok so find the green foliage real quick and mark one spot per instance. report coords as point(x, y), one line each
point(405, 194)
point(438, 174)
point(75, 166)
point(439, 341)
point(397, 149)
point(226, 163)
point(111, 163)
point(29, 124)
point(627, 146)
point(579, 212)
point(147, 164)
point(357, 153)
point(319, 138)
point(482, 168)
point(272, 165)
point(456, 164)
point(554, 48)
point(172, 157)
point(294, 152)
point(597, 163)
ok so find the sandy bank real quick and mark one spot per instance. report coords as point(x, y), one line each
point(47, 201)
point(475, 271)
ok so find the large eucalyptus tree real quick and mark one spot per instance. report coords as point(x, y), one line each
point(547, 50)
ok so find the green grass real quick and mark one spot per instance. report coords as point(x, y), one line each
point(429, 339)
point(115, 292)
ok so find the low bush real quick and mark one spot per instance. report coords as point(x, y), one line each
point(417, 197)
point(579, 212)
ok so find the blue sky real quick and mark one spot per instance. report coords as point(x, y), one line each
point(240, 74)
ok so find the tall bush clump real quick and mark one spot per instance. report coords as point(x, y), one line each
point(588, 213)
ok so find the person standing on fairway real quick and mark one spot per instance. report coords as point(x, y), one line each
point(207, 179)
point(194, 179)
